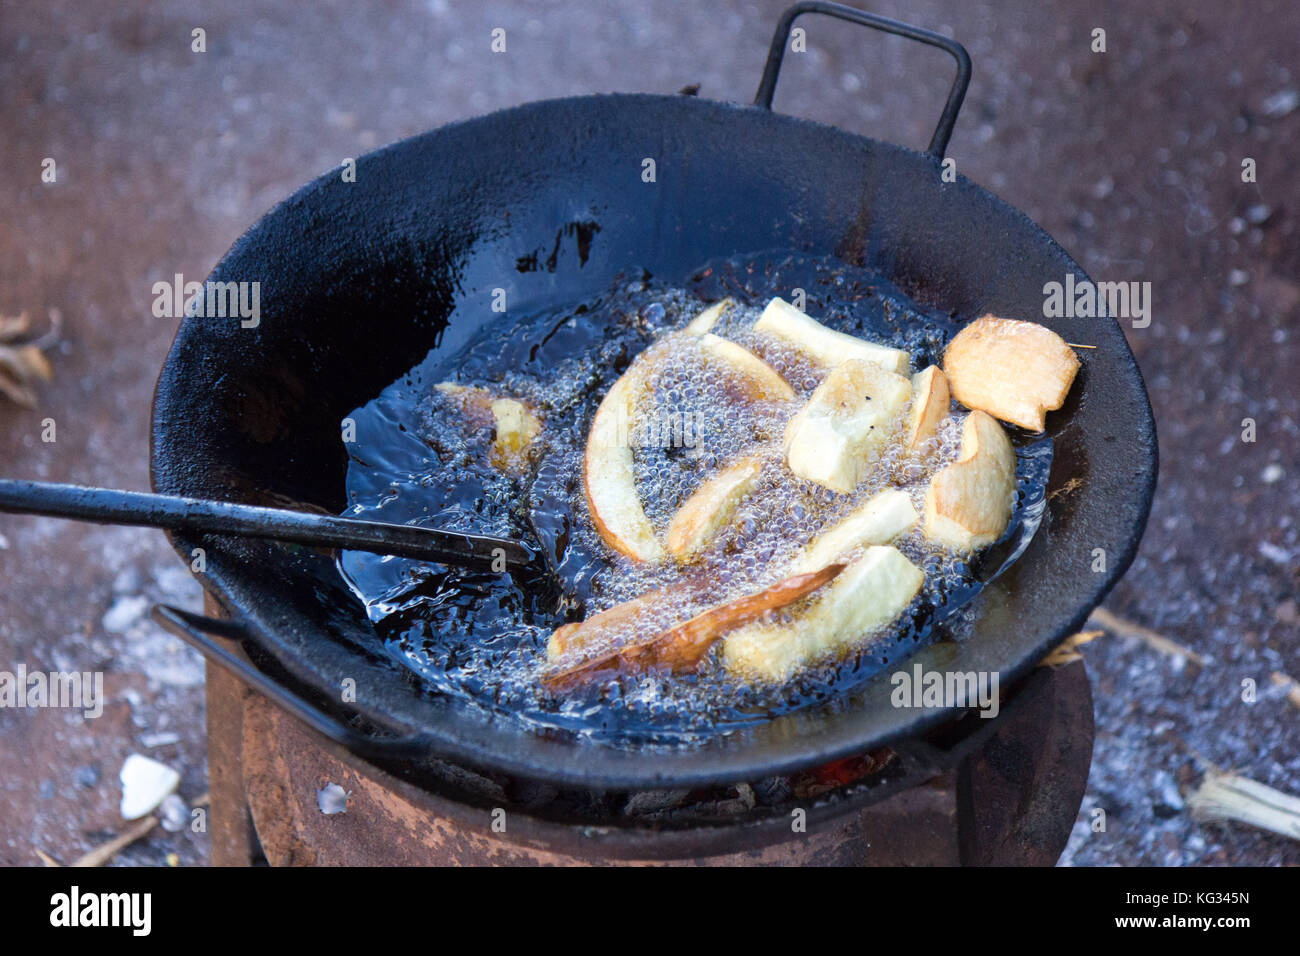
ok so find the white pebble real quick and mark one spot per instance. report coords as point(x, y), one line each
point(145, 784)
point(175, 813)
point(1274, 553)
point(1282, 102)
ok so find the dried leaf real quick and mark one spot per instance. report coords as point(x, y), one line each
point(1067, 651)
point(31, 358)
point(13, 387)
point(22, 364)
point(13, 327)
point(1291, 685)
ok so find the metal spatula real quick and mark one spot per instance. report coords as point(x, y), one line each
point(107, 506)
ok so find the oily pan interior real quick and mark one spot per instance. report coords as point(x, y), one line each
point(417, 456)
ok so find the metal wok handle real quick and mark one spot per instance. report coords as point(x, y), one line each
point(198, 632)
point(956, 93)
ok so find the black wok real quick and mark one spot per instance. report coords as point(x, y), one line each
point(359, 280)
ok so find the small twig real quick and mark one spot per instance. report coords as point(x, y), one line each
point(1154, 640)
point(102, 854)
point(22, 363)
point(1076, 345)
point(1227, 796)
point(1293, 688)
point(106, 851)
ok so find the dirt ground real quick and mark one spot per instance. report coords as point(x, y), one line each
point(1131, 158)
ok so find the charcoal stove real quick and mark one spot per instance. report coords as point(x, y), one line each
point(1000, 791)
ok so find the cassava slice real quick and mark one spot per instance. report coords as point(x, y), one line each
point(708, 318)
point(608, 484)
point(514, 423)
point(683, 646)
point(710, 508)
point(760, 380)
point(825, 346)
point(879, 520)
point(833, 438)
point(607, 474)
point(930, 402)
point(1015, 371)
point(870, 593)
point(968, 503)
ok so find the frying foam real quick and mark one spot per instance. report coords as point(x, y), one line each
point(473, 635)
point(783, 512)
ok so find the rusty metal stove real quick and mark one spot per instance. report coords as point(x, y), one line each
point(1000, 791)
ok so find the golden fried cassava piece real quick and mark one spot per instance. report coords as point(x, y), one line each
point(968, 503)
point(708, 318)
point(514, 423)
point(684, 645)
point(879, 520)
point(607, 473)
point(847, 418)
point(710, 508)
point(607, 477)
point(868, 594)
point(825, 346)
point(761, 381)
point(517, 426)
point(930, 401)
point(569, 640)
point(1015, 371)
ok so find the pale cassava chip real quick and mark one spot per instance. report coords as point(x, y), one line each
point(708, 318)
point(514, 423)
point(516, 427)
point(868, 594)
point(879, 520)
point(1015, 371)
point(825, 346)
point(930, 401)
point(968, 503)
point(833, 438)
point(607, 467)
point(759, 380)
